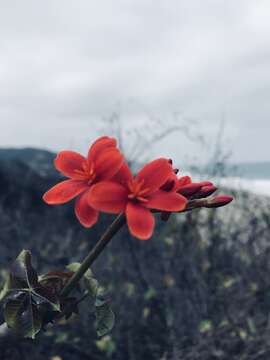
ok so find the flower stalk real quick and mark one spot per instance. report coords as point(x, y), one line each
point(94, 253)
point(115, 226)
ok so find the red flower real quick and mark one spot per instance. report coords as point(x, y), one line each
point(136, 196)
point(102, 163)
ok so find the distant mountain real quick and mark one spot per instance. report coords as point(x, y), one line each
point(42, 161)
point(38, 160)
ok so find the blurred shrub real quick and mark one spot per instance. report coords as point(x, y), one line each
point(199, 289)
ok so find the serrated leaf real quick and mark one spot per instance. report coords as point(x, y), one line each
point(23, 316)
point(105, 318)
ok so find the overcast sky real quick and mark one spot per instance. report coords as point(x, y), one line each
point(66, 64)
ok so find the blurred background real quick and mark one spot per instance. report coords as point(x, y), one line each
point(186, 79)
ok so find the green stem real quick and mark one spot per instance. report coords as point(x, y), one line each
point(94, 253)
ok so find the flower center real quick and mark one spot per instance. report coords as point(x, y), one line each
point(87, 173)
point(137, 190)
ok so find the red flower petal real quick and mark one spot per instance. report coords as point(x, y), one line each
point(108, 163)
point(123, 175)
point(171, 183)
point(140, 221)
point(86, 215)
point(166, 201)
point(64, 191)
point(67, 162)
point(108, 196)
point(155, 174)
point(99, 145)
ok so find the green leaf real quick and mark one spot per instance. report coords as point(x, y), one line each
point(75, 266)
point(23, 316)
point(23, 278)
point(150, 293)
point(91, 284)
point(44, 295)
point(22, 273)
point(106, 344)
point(55, 275)
point(105, 317)
point(12, 309)
point(24, 309)
point(205, 326)
point(6, 288)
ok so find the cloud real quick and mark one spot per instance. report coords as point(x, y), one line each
point(66, 64)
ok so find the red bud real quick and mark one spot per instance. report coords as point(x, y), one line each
point(218, 201)
point(189, 190)
point(206, 183)
point(205, 191)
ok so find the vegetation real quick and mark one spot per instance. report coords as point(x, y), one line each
point(198, 290)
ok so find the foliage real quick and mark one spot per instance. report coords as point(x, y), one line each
point(31, 302)
point(27, 299)
point(210, 267)
point(101, 306)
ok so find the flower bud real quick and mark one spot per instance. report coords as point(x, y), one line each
point(205, 183)
point(218, 201)
point(189, 190)
point(205, 191)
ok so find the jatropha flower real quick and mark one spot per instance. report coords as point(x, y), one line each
point(103, 181)
point(137, 195)
point(196, 193)
point(102, 163)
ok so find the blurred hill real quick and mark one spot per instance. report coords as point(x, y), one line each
point(38, 160)
point(199, 289)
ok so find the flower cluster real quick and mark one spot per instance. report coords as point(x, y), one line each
point(103, 181)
